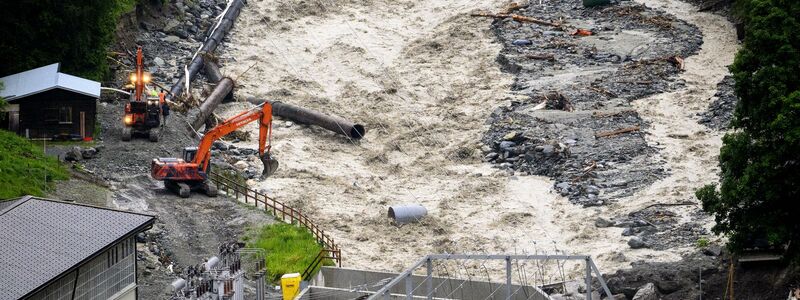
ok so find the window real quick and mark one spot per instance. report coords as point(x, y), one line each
point(51, 115)
point(65, 115)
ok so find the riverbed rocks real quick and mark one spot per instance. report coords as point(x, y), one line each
point(720, 111)
point(637, 243)
point(577, 92)
point(646, 292)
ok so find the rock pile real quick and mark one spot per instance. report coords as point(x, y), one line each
point(77, 153)
point(576, 125)
point(720, 111)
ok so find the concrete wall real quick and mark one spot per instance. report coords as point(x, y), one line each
point(350, 279)
point(327, 293)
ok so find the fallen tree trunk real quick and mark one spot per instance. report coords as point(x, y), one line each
point(312, 117)
point(518, 18)
point(223, 88)
point(209, 45)
point(616, 132)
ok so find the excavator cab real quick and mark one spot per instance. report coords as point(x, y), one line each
point(189, 153)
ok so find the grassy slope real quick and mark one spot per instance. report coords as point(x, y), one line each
point(290, 248)
point(24, 167)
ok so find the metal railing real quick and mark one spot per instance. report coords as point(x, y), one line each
point(319, 261)
point(430, 291)
point(276, 208)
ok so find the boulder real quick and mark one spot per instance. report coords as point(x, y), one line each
point(646, 292)
point(506, 145)
point(241, 165)
point(73, 154)
point(603, 223)
point(88, 153)
point(712, 250)
point(637, 243)
point(159, 61)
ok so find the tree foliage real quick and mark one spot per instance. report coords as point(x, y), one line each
point(760, 160)
point(76, 33)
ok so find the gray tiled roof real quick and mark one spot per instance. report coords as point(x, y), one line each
point(40, 239)
point(44, 79)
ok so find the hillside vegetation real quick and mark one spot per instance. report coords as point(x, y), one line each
point(24, 169)
point(760, 161)
point(76, 33)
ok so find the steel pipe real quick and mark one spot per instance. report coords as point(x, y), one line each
point(402, 214)
point(312, 117)
point(209, 45)
point(223, 88)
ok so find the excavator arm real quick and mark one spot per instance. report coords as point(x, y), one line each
point(263, 114)
point(195, 171)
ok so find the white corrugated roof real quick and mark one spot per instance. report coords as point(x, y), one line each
point(44, 79)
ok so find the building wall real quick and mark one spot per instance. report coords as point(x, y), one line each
point(111, 275)
point(56, 112)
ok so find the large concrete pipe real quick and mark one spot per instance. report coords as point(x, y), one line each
point(223, 88)
point(209, 45)
point(312, 117)
point(408, 213)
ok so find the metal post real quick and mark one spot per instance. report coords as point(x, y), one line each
point(508, 278)
point(700, 280)
point(409, 287)
point(429, 279)
point(260, 288)
point(588, 280)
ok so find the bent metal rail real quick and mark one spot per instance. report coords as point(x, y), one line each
point(278, 209)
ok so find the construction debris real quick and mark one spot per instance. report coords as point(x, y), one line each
point(402, 214)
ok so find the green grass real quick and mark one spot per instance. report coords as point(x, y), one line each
point(290, 249)
point(702, 242)
point(24, 169)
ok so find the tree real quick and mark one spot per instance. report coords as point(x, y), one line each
point(760, 161)
point(76, 33)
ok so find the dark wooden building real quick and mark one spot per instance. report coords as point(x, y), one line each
point(47, 104)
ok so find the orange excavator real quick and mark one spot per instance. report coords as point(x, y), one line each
point(142, 113)
point(183, 175)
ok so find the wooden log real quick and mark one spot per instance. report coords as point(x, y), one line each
point(616, 132)
point(518, 18)
point(223, 88)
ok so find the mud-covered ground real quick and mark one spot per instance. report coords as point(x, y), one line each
point(187, 230)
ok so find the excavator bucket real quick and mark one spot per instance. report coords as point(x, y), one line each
point(270, 165)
